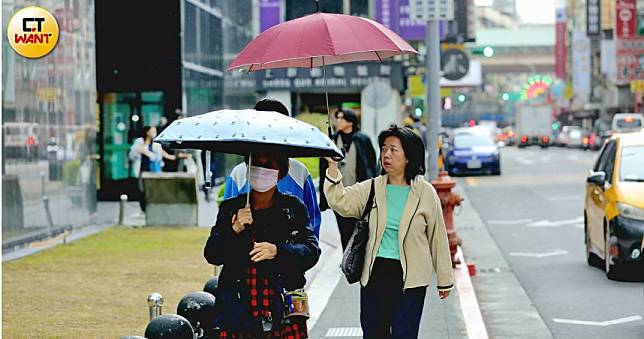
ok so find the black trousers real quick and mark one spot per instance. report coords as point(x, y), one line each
point(385, 310)
point(346, 227)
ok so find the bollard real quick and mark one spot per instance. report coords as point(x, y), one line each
point(122, 209)
point(45, 200)
point(443, 185)
point(208, 174)
point(155, 303)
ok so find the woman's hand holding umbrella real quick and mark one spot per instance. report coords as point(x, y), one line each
point(243, 218)
point(333, 167)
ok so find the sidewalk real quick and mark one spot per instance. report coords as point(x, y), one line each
point(335, 305)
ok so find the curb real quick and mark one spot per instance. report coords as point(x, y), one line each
point(469, 304)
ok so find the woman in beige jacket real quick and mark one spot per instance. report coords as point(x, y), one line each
point(407, 237)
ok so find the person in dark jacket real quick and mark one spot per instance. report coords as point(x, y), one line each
point(359, 162)
point(265, 249)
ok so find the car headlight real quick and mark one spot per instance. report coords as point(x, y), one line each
point(629, 211)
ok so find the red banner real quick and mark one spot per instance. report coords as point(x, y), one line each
point(560, 50)
point(629, 61)
point(626, 18)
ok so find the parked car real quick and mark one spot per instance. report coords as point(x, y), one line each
point(614, 207)
point(570, 136)
point(473, 151)
point(627, 122)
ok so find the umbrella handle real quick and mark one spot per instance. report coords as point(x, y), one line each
point(250, 161)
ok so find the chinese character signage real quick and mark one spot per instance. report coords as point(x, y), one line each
point(593, 23)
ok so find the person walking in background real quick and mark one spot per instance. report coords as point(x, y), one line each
point(407, 236)
point(147, 156)
point(358, 165)
point(297, 182)
point(265, 250)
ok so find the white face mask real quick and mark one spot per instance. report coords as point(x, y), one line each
point(263, 179)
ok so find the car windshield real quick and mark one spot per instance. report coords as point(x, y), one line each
point(631, 168)
point(575, 133)
point(466, 140)
point(629, 123)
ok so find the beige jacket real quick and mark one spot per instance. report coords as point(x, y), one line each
point(422, 238)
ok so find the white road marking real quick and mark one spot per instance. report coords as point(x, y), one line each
point(509, 222)
point(538, 255)
point(548, 223)
point(344, 332)
point(565, 197)
point(598, 323)
point(524, 161)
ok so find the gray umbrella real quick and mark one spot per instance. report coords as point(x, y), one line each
point(245, 131)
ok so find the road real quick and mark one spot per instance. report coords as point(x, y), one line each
point(534, 213)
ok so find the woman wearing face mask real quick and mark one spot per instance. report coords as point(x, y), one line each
point(265, 249)
point(407, 238)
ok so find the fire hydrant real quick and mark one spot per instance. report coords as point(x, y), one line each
point(443, 185)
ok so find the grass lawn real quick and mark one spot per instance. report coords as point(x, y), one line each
point(97, 287)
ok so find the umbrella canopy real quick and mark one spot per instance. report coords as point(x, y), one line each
point(320, 39)
point(245, 131)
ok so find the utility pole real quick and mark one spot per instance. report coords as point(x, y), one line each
point(433, 96)
point(432, 12)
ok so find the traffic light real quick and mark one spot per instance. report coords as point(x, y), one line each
point(486, 51)
point(461, 98)
point(505, 96)
point(555, 126)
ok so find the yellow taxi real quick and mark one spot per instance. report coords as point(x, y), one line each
point(614, 207)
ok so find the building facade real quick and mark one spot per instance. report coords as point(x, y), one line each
point(49, 127)
point(144, 79)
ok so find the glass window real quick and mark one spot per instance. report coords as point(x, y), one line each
point(472, 140)
point(631, 164)
point(49, 127)
point(603, 156)
point(629, 123)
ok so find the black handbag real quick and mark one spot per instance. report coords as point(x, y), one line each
point(353, 257)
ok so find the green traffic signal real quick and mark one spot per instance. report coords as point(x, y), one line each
point(486, 51)
point(555, 125)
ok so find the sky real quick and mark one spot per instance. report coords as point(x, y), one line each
point(536, 11)
point(530, 11)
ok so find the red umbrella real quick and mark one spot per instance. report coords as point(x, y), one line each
point(318, 40)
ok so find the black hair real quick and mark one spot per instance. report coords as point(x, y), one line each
point(271, 105)
point(282, 162)
point(349, 116)
point(146, 129)
point(413, 147)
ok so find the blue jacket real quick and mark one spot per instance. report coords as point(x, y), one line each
point(297, 183)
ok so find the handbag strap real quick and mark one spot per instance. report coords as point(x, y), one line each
point(367, 209)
